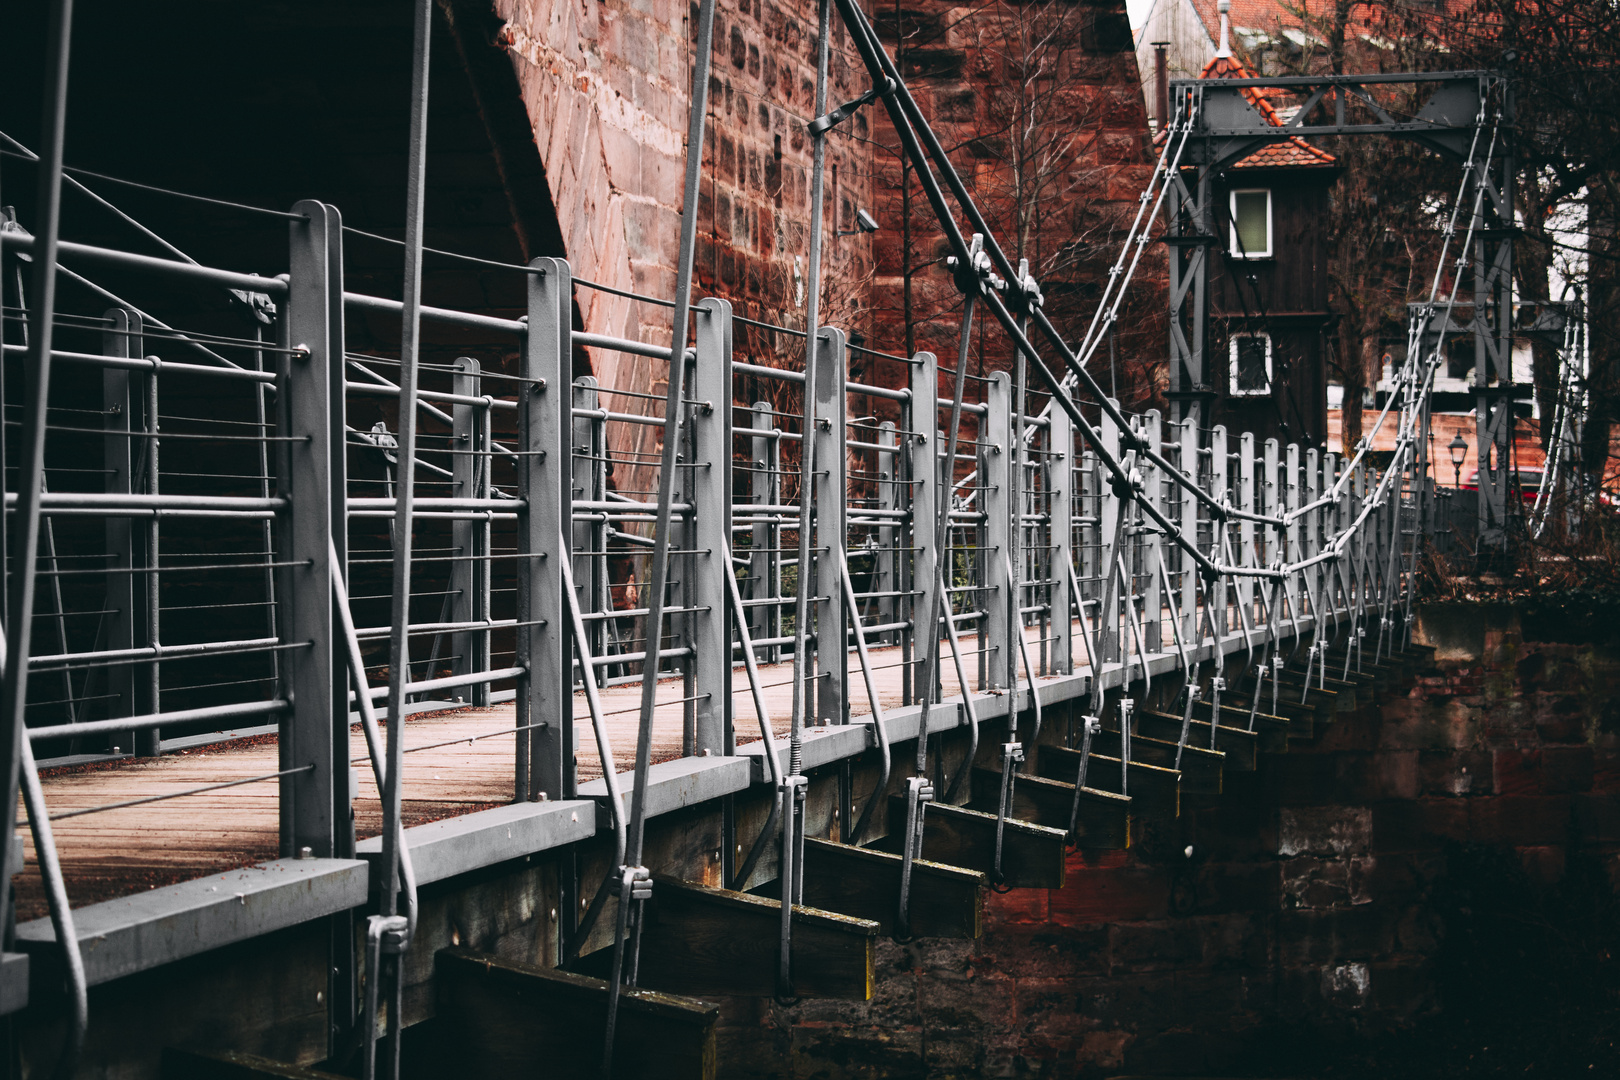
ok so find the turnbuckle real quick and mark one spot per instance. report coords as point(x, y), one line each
point(1012, 754)
point(919, 793)
point(636, 879)
point(823, 124)
point(1090, 726)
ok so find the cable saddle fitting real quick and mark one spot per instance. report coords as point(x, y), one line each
point(639, 879)
point(823, 124)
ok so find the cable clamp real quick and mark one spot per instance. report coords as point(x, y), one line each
point(636, 880)
point(823, 124)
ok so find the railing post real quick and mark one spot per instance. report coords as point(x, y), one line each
point(1190, 629)
point(1313, 535)
point(1153, 592)
point(1088, 477)
point(1245, 501)
point(126, 604)
point(995, 464)
point(310, 476)
point(469, 574)
point(1220, 479)
point(829, 491)
point(545, 751)
point(1291, 534)
point(710, 480)
point(885, 578)
point(765, 557)
point(1357, 491)
point(1330, 528)
point(1060, 499)
point(1107, 557)
point(588, 483)
point(922, 488)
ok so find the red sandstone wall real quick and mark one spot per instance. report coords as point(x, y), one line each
point(607, 84)
point(1087, 134)
point(1311, 907)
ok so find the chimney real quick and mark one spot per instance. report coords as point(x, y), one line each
point(1161, 83)
point(1225, 8)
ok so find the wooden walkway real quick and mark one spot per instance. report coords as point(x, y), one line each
point(456, 762)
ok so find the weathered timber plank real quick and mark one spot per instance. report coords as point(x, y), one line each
point(698, 940)
point(1237, 744)
point(1271, 731)
point(946, 901)
point(1323, 703)
point(503, 1019)
point(1032, 855)
point(232, 1065)
point(1104, 823)
point(1154, 792)
point(1200, 767)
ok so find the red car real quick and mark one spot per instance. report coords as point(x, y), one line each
point(1527, 480)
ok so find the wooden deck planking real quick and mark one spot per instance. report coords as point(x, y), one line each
point(456, 761)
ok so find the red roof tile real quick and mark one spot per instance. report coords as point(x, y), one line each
point(1274, 16)
point(1296, 153)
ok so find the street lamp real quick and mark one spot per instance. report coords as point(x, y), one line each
point(1459, 451)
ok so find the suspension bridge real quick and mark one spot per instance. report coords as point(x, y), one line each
point(447, 687)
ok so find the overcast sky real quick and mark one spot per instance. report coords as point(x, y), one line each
point(1138, 10)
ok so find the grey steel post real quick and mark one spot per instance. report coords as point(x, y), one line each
point(1333, 574)
point(1060, 488)
point(1312, 537)
point(1188, 585)
point(305, 409)
point(469, 573)
point(148, 743)
point(125, 602)
point(588, 482)
point(710, 485)
point(545, 698)
point(1110, 644)
point(23, 536)
point(885, 579)
point(1247, 555)
point(1270, 497)
point(1153, 598)
point(765, 556)
point(829, 492)
point(1291, 550)
point(922, 475)
point(1088, 476)
point(1220, 482)
point(995, 489)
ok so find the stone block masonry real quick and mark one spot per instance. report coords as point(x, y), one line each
point(607, 86)
point(1313, 901)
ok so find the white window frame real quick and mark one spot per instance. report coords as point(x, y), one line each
point(1232, 366)
point(1232, 241)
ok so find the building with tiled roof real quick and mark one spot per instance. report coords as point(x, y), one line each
point(1268, 284)
point(1271, 33)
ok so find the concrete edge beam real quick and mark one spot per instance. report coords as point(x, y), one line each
point(829, 745)
point(683, 782)
point(144, 931)
point(13, 982)
point(460, 845)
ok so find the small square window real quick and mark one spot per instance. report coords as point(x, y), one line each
point(1251, 224)
point(1251, 365)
